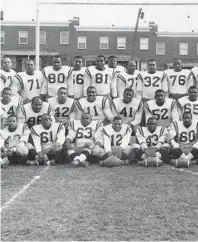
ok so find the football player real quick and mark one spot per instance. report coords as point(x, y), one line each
point(151, 136)
point(63, 107)
point(152, 81)
point(6, 73)
point(3, 118)
point(48, 138)
point(103, 79)
point(183, 138)
point(13, 141)
point(193, 76)
point(76, 79)
point(81, 139)
point(97, 106)
point(130, 79)
point(28, 83)
point(55, 77)
point(31, 113)
point(128, 108)
point(177, 79)
point(112, 64)
point(189, 103)
point(162, 108)
point(116, 139)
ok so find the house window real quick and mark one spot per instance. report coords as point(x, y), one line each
point(183, 48)
point(2, 37)
point(160, 48)
point(144, 43)
point(104, 43)
point(42, 37)
point(121, 43)
point(82, 42)
point(23, 37)
point(64, 37)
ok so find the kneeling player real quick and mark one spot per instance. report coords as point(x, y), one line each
point(182, 137)
point(48, 138)
point(151, 150)
point(13, 139)
point(116, 139)
point(84, 132)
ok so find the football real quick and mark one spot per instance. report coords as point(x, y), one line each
point(152, 162)
point(21, 149)
point(182, 163)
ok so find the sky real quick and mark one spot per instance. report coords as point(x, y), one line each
point(168, 18)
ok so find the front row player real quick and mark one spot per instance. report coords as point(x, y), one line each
point(183, 138)
point(151, 136)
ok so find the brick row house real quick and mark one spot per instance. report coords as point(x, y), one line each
point(71, 39)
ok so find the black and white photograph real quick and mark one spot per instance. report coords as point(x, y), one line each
point(99, 120)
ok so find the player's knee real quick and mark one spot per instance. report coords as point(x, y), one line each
point(176, 153)
point(138, 153)
point(194, 152)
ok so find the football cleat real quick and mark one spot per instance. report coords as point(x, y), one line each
point(75, 163)
point(31, 162)
point(84, 163)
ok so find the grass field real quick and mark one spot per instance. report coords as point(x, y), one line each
point(59, 203)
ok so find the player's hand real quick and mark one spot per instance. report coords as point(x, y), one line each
point(57, 147)
point(109, 153)
point(68, 145)
point(144, 147)
point(158, 146)
point(9, 151)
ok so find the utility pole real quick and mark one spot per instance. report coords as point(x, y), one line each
point(37, 38)
point(140, 14)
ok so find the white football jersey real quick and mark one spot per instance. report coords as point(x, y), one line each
point(130, 112)
point(164, 114)
point(104, 81)
point(84, 134)
point(125, 80)
point(76, 83)
point(6, 78)
point(13, 107)
point(29, 85)
point(99, 109)
point(11, 139)
point(118, 68)
point(177, 81)
point(62, 112)
point(152, 82)
point(151, 139)
point(32, 118)
point(194, 75)
point(186, 105)
point(54, 80)
point(116, 137)
point(45, 138)
point(184, 135)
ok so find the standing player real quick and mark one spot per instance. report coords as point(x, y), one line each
point(151, 136)
point(97, 106)
point(76, 79)
point(84, 133)
point(162, 108)
point(128, 108)
point(14, 135)
point(103, 79)
point(177, 79)
point(55, 77)
point(183, 138)
point(152, 81)
point(48, 138)
point(130, 79)
point(193, 76)
point(6, 73)
point(31, 113)
point(63, 107)
point(29, 83)
point(112, 64)
point(189, 103)
point(11, 104)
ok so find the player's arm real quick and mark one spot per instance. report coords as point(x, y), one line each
point(107, 109)
point(44, 87)
point(139, 89)
point(2, 82)
point(141, 139)
point(87, 80)
point(22, 115)
point(147, 110)
point(138, 115)
point(126, 138)
point(73, 112)
point(121, 83)
point(106, 141)
point(25, 135)
point(17, 85)
point(174, 111)
point(70, 84)
point(179, 109)
point(172, 134)
point(191, 79)
point(70, 136)
point(36, 139)
point(113, 84)
point(79, 109)
point(98, 134)
point(162, 137)
point(165, 84)
point(61, 134)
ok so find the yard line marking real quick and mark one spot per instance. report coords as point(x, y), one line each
point(183, 170)
point(35, 178)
